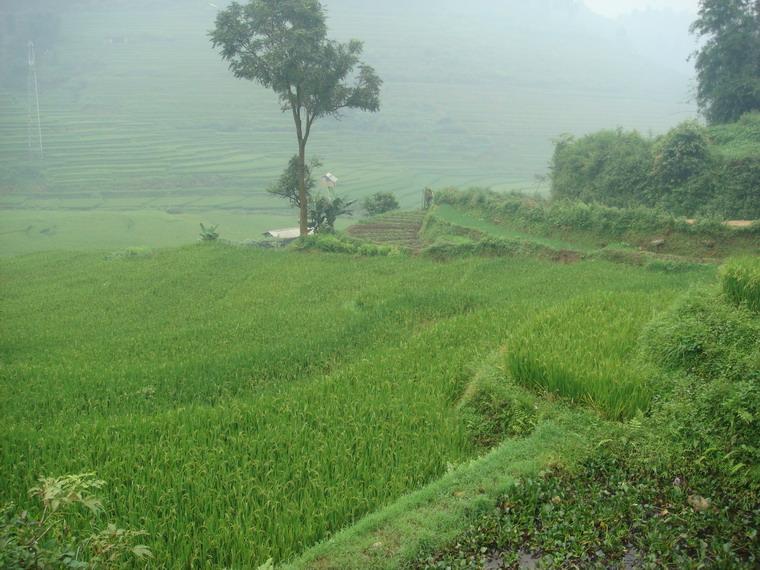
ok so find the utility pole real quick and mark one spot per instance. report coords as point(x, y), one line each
point(34, 100)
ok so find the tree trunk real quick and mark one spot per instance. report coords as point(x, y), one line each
point(302, 198)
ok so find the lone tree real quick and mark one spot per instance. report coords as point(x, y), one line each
point(728, 64)
point(283, 45)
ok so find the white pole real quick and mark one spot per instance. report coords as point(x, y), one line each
point(33, 71)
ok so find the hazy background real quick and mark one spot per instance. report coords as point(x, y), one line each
point(146, 132)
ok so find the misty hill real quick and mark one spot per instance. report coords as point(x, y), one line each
point(135, 102)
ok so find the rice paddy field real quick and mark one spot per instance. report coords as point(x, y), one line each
point(140, 115)
point(244, 404)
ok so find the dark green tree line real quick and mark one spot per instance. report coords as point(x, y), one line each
point(728, 64)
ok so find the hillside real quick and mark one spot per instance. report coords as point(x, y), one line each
point(139, 113)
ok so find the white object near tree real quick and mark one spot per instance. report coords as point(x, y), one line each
point(329, 180)
point(287, 233)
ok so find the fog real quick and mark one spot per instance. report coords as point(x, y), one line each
point(137, 111)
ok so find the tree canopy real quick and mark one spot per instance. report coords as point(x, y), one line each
point(283, 45)
point(728, 64)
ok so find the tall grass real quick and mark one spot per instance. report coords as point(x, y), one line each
point(585, 350)
point(741, 281)
point(244, 404)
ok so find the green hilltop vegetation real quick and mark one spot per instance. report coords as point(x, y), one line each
point(691, 170)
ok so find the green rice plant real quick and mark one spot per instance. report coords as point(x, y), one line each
point(585, 350)
point(740, 278)
point(248, 417)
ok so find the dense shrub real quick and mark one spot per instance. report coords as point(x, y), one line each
point(689, 171)
point(739, 195)
point(609, 166)
point(380, 203)
point(683, 177)
point(706, 337)
point(712, 349)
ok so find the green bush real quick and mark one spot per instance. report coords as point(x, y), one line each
point(741, 281)
point(61, 532)
point(739, 194)
point(711, 347)
point(380, 203)
point(689, 171)
point(609, 166)
point(707, 337)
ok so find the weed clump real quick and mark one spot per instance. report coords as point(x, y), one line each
point(711, 348)
point(741, 281)
point(494, 409)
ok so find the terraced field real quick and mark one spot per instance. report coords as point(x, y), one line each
point(401, 229)
point(228, 434)
point(139, 113)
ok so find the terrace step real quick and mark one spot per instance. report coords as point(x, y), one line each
point(401, 229)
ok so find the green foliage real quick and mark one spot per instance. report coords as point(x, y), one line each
point(488, 246)
point(706, 337)
point(209, 233)
point(585, 350)
point(681, 163)
point(741, 281)
point(612, 511)
point(739, 180)
point(57, 536)
point(740, 139)
point(283, 45)
point(712, 349)
point(494, 409)
point(287, 185)
point(679, 488)
point(324, 209)
point(685, 172)
point(728, 62)
point(611, 167)
point(380, 203)
point(553, 215)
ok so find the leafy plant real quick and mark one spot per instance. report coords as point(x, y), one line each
point(57, 536)
point(209, 233)
point(727, 62)
point(324, 210)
